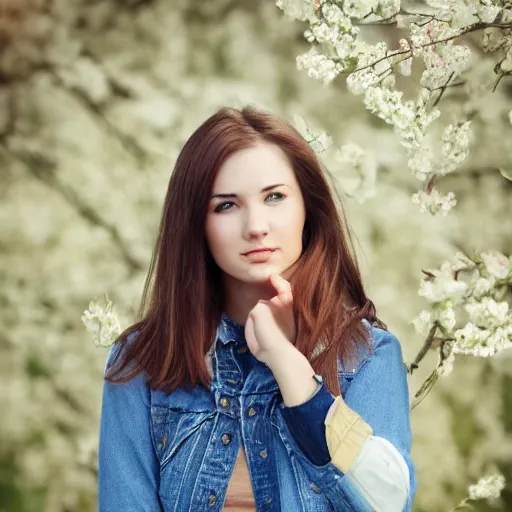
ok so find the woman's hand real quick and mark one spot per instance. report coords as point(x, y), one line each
point(270, 328)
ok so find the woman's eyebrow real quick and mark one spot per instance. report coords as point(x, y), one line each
point(226, 196)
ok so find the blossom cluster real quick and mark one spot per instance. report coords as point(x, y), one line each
point(337, 47)
point(488, 487)
point(478, 287)
point(102, 323)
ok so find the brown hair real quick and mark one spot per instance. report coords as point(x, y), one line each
point(177, 325)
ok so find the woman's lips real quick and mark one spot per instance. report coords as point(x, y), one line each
point(259, 256)
point(260, 250)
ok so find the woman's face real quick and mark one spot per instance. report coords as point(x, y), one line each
point(264, 207)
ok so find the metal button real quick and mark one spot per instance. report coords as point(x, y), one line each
point(315, 489)
point(263, 454)
point(224, 402)
point(212, 500)
point(243, 350)
point(268, 501)
point(226, 438)
point(251, 411)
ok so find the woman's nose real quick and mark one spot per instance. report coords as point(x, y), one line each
point(256, 223)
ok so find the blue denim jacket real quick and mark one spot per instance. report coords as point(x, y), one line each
point(176, 452)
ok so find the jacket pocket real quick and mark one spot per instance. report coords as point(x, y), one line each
point(173, 426)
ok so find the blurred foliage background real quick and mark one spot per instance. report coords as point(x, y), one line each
point(96, 99)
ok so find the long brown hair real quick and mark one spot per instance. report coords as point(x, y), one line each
point(182, 300)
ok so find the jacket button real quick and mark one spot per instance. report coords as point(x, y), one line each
point(268, 501)
point(263, 454)
point(212, 500)
point(224, 402)
point(226, 439)
point(243, 349)
point(251, 411)
point(315, 489)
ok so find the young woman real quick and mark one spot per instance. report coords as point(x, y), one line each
point(258, 376)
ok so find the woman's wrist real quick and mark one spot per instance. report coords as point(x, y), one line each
point(294, 376)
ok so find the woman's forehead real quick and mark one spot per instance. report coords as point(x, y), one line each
point(254, 168)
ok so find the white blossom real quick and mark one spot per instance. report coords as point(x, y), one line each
point(358, 9)
point(488, 487)
point(442, 314)
point(463, 17)
point(324, 33)
point(319, 66)
point(497, 264)
point(488, 13)
point(444, 65)
point(388, 8)
point(482, 286)
point(461, 262)
point(372, 70)
point(427, 33)
point(388, 106)
point(102, 323)
point(482, 342)
point(422, 163)
point(493, 39)
point(488, 312)
point(333, 14)
point(422, 322)
point(442, 287)
point(455, 147)
point(472, 340)
point(298, 9)
point(434, 202)
point(489, 329)
point(446, 317)
point(367, 72)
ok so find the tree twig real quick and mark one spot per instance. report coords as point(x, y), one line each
point(425, 348)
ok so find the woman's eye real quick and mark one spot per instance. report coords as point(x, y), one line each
point(220, 208)
point(276, 194)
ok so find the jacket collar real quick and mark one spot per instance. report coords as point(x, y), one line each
point(229, 330)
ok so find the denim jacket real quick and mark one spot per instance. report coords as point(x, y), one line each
point(175, 452)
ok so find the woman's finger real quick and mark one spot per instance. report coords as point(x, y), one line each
point(282, 286)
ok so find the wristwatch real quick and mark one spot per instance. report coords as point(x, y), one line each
point(319, 379)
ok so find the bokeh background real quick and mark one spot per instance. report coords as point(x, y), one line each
point(96, 99)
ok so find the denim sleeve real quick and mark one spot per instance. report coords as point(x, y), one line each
point(379, 394)
point(128, 476)
point(306, 424)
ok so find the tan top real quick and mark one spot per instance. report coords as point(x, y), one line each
point(239, 495)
